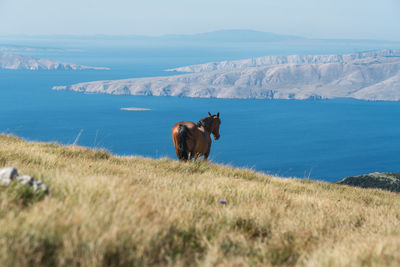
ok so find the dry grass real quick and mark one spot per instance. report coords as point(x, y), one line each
point(130, 211)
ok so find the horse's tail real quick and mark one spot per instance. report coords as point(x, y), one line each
point(183, 134)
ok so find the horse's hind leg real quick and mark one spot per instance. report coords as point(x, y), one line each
point(183, 155)
point(190, 149)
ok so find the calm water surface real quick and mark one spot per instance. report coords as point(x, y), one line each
point(326, 140)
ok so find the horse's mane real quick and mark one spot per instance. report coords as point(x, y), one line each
point(206, 123)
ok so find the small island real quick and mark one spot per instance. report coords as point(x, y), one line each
point(135, 109)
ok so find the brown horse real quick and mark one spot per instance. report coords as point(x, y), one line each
point(193, 140)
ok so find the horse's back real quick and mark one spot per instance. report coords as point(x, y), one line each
point(188, 124)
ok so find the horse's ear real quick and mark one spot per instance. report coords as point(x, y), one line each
point(218, 115)
point(209, 114)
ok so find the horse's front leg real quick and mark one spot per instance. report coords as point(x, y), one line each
point(196, 156)
point(208, 151)
point(190, 155)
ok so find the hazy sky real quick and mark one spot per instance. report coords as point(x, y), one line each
point(372, 19)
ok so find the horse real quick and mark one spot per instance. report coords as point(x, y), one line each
point(193, 140)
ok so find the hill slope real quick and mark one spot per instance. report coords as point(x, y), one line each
point(106, 210)
point(382, 180)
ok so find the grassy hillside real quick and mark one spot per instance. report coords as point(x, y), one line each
point(105, 210)
point(384, 180)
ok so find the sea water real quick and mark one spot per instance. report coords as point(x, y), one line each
point(324, 139)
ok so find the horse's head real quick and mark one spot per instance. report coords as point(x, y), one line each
point(211, 124)
point(215, 122)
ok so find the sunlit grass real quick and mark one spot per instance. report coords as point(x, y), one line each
point(105, 210)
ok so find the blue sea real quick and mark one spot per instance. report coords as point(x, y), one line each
point(325, 139)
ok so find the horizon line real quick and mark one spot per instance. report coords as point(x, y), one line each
point(130, 35)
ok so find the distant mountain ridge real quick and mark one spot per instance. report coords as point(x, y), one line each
point(373, 75)
point(22, 62)
point(291, 59)
point(234, 36)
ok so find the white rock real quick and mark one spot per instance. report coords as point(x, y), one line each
point(7, 175)
point(33, 182)
point(10, 174)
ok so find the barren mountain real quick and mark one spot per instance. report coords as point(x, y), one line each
point(373, 75)
point(22, 62)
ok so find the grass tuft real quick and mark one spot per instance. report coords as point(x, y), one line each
point(21, 194)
